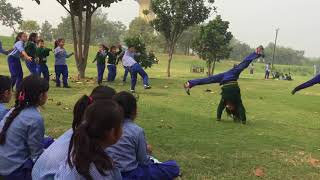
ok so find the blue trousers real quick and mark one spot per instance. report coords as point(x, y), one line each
point(134, 71)
point(32, 66)
point(126, 72)
point(164, 171)
point(43, 69)
point(61, 70)
point(101, 68)
point(15, 71)
point(112, 72)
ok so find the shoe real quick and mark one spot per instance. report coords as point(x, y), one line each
point(147, 87)
point(67, 87)
point(187, 87)
point(132, 91)
point(244, 122)
point(58, 85)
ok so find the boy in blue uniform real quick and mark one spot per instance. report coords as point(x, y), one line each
point(231, 96)
point(101, 62)
point(42, 54)
point(5, 94)
point(31, 50)
point(112, 61)
point(313, 81)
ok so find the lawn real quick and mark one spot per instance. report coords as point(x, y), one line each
point(281, 138)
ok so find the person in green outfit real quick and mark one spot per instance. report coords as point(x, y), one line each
point(101, 61)
point(31, 48)
point(42, 53)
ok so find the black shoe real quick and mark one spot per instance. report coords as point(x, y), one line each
point(67, 87)
point(187, 87)
point(58, 85)
point(244, 122)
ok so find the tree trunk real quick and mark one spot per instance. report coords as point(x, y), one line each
point(171, 50)
point(75, 40)
point(86, 47)
point(209, 68)
point(213, 67)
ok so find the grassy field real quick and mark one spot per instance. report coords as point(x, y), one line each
point(282, 137)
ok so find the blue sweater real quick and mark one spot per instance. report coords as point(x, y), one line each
point(61, 56)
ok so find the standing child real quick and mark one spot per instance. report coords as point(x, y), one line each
point(14, 59)
point(5, 94)
point(31, 50)
point(134, 69)
point(101, 62)
point(130, 152)
point(101, 128)
point(42, 54)
point(60, 65)
point(268, 71)
point(22, 130)
point(112, 61)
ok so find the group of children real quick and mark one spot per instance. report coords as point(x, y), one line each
point(103, 143)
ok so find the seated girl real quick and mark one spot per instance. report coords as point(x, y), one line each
point(130, 152)
point(5, 94)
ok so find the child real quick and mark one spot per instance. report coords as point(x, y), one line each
point(31, 50)
point(130, 152)
point(101, 61)
point(101, 128)
point(112, 61)
point(5, 94)
point(268, 70)
point(3, 51)
point(60, 65)
point(231, 97)
point(22, 130)
point(126, 70)
point(42, 54)
point(14, 59)
point(313, 81)
point(134, 69)
point(48, 163)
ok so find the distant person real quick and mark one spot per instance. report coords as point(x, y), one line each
point(134, 68)
point(267, 71)
point(313, 81)
point(252, 69)
point(101, 62)
point(112, 62)
point(5, 95)
point(22, 130)
point(42, 55)
point(87, 159)
point(230, 95)
point(3, 51)
point(14, 59)
point(60, 66)
point(31, 50)
point(130, 153)
point(126, 70)
point(49, 162)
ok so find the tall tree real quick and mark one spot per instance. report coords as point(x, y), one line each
point(29, 26)
point(10, 16)
point(81, 12)
point(187, 38)
point(46, 31)
point(239, 49)
point(212, 45)
point(173, 17)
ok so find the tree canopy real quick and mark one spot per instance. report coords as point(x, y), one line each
point(10, 16)
point(29, 26)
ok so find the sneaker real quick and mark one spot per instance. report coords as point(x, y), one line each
point(132, 91)
point(187, 87)
point(147, 87)
point(67, 87)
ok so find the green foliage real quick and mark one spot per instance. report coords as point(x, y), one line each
point(29, 26)
point(212, 44)
point(46, 31)
point(239, 50)
point(184, 44)
point(145, 59)
point(10, 16)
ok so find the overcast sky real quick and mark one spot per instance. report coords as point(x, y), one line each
point(252, 21)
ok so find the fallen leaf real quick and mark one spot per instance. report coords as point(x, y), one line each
point(259, 172)
point(313, 162)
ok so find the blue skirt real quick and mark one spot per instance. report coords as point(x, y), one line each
point(163, 171)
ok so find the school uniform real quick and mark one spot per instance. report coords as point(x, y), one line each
point(130, 156)
point(42, 68)
point(313, 81)
point(101, 64)
point(230, 88)
point(15, 64)
point(50, 160)
point(112, 68)
point(3, 111)
point(60, 66)
point(268, 70)
point(134, 69)
point(23, 144)
point(31, 50)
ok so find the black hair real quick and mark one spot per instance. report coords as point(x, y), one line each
point(40, 40)
point(32, 37)
point(113, 47)
point(57, 42)
point(19, 35)
point(128, 103)
point(5, 85)
point(28, 94)
point(98, 93)
point(104, 47)
point(84, 148)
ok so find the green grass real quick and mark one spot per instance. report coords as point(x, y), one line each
point(281, 134)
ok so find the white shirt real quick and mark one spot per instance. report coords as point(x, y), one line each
point(128, 59)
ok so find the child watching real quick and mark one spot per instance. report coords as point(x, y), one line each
point(5, 94)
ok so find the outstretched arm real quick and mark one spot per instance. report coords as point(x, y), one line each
point(315, 80)
point(246, 62)
point(209, 80)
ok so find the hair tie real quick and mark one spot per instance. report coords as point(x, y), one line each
point(90, 99)
point(22, 96)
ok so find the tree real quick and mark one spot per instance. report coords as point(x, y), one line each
point(212, 45)
point(29, 26)
point(46, 31)
point(173, 17)
point(239, 49)
point(10, 16)
point(187, 38)
point(81, 12)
